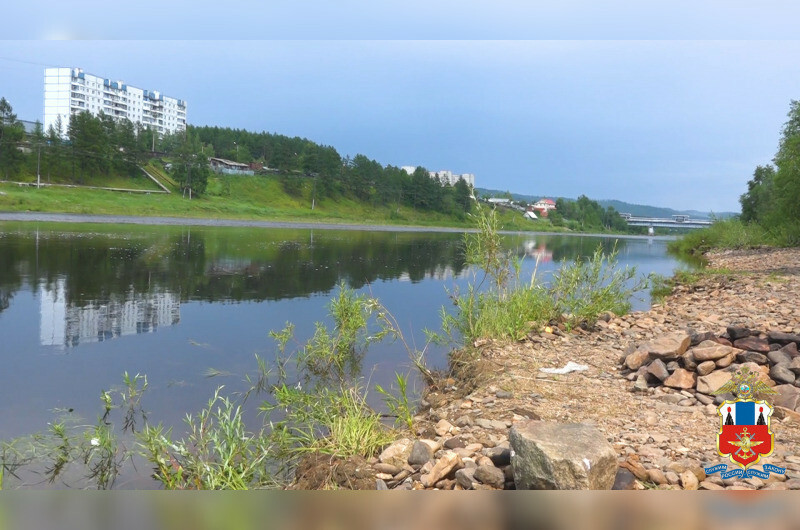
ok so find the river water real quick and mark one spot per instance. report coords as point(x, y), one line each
point(80, 304)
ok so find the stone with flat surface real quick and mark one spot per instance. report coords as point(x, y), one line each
point(563, 456)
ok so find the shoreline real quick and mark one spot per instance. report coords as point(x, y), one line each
point(664, 436)
point(54, 217)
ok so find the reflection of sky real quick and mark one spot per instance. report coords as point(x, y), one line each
point(224, 336)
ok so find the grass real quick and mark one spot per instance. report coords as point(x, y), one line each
point(499, 305)
point(727, 234)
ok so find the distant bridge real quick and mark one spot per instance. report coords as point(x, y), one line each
point(677, 221)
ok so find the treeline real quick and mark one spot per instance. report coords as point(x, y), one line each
point(586, 215)
point(772, 200)
point(303, 163)
point(91, 146)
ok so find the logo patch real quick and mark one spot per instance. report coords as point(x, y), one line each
point(744, 435)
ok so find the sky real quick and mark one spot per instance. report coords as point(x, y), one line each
point(667, 104)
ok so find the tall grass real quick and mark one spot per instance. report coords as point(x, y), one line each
point(498, 304)
point(730, 233)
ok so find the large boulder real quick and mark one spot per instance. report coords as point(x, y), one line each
point(668, 347)
point(397, 454)
point(788, 396)
point(559, 456)
point(637, 359)
point(711, 352)
point(711, 382)
point(783, 338)
point(752, 344)
point(681, 378)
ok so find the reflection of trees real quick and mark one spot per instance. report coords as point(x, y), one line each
point(215, 264)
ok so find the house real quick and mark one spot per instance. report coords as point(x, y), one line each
point(529, 215)
point(543, 206)
point(229, 167)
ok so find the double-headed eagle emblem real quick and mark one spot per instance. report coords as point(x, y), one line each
point(744, 385)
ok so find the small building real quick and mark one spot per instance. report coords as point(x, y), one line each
point(543, 206)
point(229, 167)
point(529, 215)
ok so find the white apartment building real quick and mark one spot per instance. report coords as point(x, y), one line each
point(445, 175)
point(68, 91)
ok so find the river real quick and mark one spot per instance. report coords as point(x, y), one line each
point(80, 304)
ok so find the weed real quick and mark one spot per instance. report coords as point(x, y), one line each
point(398, 403)
point(218, 452)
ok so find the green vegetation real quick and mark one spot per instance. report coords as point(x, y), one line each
point(724, 233)
point(770, 206)
point(501, 306)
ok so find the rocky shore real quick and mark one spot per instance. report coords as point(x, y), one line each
point(645, 392)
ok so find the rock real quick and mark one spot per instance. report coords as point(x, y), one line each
point(704, 399)
point(389, 469)
point(637, 359)
point(711, 353)
point(500, 456)
point(751, 357)
point(636, 468)
point(681, 378)
point(778, 357)
point(725, 361)
point(688, 361)
point(491, 476)
point(658, 370)
point(397, 453)
point(465, 477)
point(788, 396)
point(791, 349)
point(705, 368)
point(443, 427)
point(668, 347)
point(446, 464)
point(464, 421)
point(453, 443)
point(561, 456)
point(624, 480)
point(752, 344)
point(656, 476)
point(713, 381)
point(782, 374)
point(380, 484)
point(486, 423)
point(672, 366)
point(736, 332)
point(707, 485)
point(421, 453)
point(672, 477)
point(640, 384)
point(697, 338)
point(783, 338)
point(504, 394)
point(689, 480)
point(794, 365)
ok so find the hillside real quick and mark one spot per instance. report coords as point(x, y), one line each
point(639, 210)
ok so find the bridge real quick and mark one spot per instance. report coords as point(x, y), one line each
point(677, 221)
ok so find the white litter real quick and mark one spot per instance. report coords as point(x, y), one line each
point(570, 367)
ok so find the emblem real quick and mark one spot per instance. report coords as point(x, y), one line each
point(744, 434)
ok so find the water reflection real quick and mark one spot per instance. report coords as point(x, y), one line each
point(64, 323)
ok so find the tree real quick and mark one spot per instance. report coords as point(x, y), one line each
point(11, 135)
point(787, 177)
point(191, 167)
point(758, 200)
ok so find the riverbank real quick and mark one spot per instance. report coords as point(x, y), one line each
point(663, 436)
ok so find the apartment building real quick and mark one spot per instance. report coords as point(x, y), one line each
point(445, 176)
point(68, 91)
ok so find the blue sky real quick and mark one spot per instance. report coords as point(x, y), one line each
point(677, 123)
